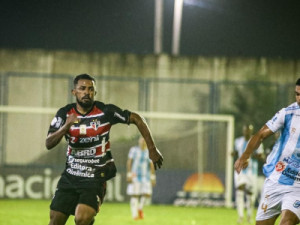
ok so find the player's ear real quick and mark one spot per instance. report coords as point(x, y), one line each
point(73, 92)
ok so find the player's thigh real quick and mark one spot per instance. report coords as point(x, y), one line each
point(291, 206)
point(270, 221)
point(288, 218)
point(134, 188)
point(270, 202)
point(64, 201)
point(92, 197)
point(146, 188)
point(84, 213)
point(240, 180)
point(57, 218)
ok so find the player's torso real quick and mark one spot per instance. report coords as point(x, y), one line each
point(140, 164)
point(285, 157)
point(88, 143)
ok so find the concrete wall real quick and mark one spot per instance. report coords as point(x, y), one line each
point(208, 68)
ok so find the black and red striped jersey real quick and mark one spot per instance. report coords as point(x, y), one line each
point(88, 151)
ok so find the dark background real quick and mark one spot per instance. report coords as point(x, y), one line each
point(209, 27)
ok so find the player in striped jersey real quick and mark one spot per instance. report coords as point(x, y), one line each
point(141, 177)
point(86, 125)
point(281, 191)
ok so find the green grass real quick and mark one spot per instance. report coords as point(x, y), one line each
point(35, 212)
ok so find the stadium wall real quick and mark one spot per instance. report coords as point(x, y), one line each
point(127, 65)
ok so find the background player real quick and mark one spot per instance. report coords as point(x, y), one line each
point(246, 181)
point(141, 178)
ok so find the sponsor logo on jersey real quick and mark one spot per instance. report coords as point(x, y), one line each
point(296, 204)
point(280, 166)
point(89, 139)
point(95, 124)
point(56, 122)
point(84, 152)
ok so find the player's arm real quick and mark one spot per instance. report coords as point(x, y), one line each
point(129, 173)
point(54, 138)
point(142, 125)
point(152, 176)
point(253, 144)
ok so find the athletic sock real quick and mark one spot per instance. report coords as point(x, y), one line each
point(142, 202)
point(249, 206)
point(240, 203)
point(134, 207)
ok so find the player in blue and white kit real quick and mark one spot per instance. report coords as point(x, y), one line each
point(281, 191)
point(141, 178)
point(246, 181)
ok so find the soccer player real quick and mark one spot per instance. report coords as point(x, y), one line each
point(246, 181)
point(141, 177)
point(281, 191)
point(86, 125)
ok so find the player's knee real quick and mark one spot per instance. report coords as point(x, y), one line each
point(83, 220)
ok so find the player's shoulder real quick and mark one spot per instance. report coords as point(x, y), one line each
point(105, 107)
point(239, 139)
point(100, 105)
point(292, 107)
point(66, 108)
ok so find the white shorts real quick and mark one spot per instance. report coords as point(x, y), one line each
point(139, 188)
point(249, 180)
point(276, 198)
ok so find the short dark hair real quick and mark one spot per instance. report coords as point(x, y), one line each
point(298, 82)
point(82, 77)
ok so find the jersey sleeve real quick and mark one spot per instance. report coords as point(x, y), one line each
point(117, 115)
point(58, 121)
point(277, 122)
point(131, 153)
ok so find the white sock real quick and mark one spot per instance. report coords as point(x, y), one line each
point(142, 202)
point(249, 205)
point(240, 203)
point(134, 207)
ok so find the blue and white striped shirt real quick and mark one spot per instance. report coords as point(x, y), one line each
point(283, 163)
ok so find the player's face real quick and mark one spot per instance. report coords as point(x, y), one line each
point(297, 94)
point(247, 131)
point(84, 93)
point(142, 143)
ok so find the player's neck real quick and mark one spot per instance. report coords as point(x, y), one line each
point(83, 110)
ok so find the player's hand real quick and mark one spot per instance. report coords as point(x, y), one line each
point(156, 158)
point(129, 177)
point(241, 164)
point(72, 118)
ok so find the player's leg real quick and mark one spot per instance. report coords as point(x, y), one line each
point(240, 202)
point(134, 203)
point(146, 192)
point(290, 213)
point(62, 205)
point(84, 214)
point(270, 221)
point(270, 203)
point(134, 191)
point(288, 218)
point(89, 202)
point(249, 206)
point(57, 218)
point(249, 190)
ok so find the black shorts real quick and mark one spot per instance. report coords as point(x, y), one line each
point(65, 200)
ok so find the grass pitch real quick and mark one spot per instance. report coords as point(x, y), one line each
point(35, 212)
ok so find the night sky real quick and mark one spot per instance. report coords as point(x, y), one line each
point(209, 27)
